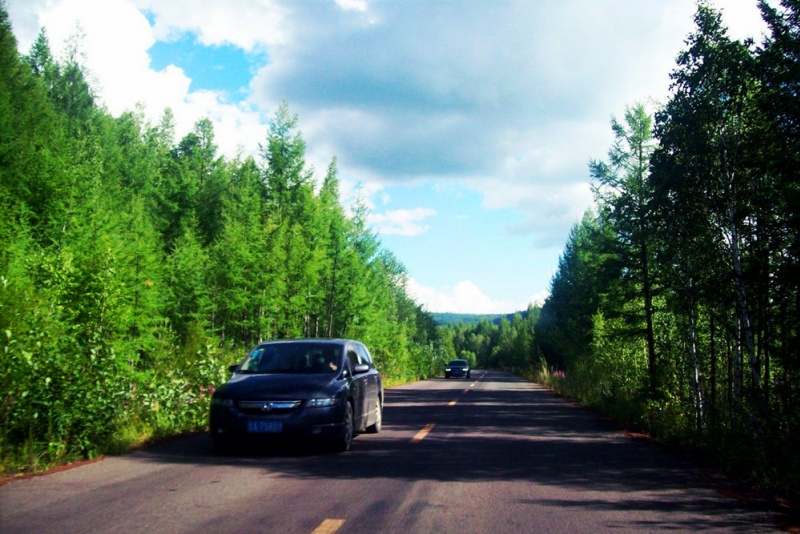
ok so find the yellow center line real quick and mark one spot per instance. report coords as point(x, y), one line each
point(329, 526)
point(422, 433)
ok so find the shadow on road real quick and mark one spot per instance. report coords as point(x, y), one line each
point(509, 431)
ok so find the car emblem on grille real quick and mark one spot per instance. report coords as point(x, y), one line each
point(266, 407)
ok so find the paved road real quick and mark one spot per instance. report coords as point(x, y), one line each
point(494, 454)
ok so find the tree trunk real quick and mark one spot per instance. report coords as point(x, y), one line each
point(698, 394)
point(648, 313)
point(748, 343)
point(713, 378)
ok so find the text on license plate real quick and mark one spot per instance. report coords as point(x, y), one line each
point(265, 427)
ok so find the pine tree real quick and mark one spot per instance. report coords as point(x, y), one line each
point(624, 195)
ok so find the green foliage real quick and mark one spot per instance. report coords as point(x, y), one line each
point(176, 399)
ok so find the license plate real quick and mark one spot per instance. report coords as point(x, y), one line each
point(265, 427)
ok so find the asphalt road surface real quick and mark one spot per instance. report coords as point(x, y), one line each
point(491, 454)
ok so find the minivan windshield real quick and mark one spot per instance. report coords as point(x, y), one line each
point(306, 358)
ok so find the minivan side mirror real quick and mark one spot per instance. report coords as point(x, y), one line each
point(233, 368)
point(360, 369)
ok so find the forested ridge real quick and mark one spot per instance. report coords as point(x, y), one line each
point(453, 319)
point(134, 269)
point(676, 304)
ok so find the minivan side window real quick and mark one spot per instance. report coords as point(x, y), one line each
point(364, 356)
point(352, 355)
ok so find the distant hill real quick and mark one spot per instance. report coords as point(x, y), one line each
point(452, 319)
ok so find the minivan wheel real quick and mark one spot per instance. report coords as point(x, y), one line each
point(375, 428)
point(343, 442)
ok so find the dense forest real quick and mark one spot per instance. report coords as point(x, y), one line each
point(134, 269)
point(676, 304)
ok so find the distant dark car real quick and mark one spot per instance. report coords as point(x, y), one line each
point(315, 388)
point(457, 368)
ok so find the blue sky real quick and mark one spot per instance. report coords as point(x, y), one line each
point(466, 126)
point(217, 68)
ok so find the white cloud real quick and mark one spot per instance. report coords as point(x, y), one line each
point(243, 23)
point(458, 94)
point(743, 19)
point(402, 222)
point(496, 97)
point(538, 298)
point(352, 5)
point(115, 38)
point(464, 297)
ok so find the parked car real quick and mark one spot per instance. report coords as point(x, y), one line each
point(312, 388)
point(457, 368)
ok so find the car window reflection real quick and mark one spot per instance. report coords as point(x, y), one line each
point(306, 359)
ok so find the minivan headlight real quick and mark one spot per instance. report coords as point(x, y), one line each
point(322, 403)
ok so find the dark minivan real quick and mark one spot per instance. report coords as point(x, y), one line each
point(316, 388)
point(457, 368)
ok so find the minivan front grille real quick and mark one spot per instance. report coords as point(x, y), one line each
point(267, 407)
